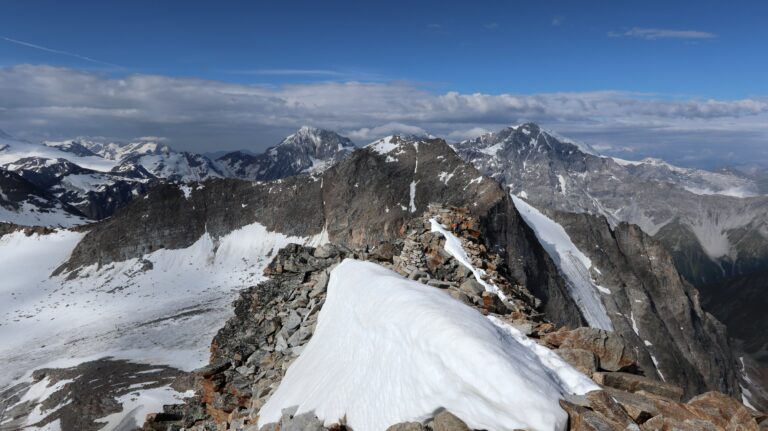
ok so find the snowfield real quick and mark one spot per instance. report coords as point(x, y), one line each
point(165, 315)
point(393, 350)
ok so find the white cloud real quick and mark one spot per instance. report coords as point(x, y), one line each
point(662, 33)
point(204, 115)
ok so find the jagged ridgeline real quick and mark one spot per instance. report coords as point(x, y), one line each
point(603, 294)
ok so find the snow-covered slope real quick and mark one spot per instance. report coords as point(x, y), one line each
point(574, 264)
point(307, 150)
point(393, 350)
point(78, 315)
point(161, 309)
point(12, 150)
point(182, 167)
point(118, 151)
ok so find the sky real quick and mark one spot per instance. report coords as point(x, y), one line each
point(685, 80)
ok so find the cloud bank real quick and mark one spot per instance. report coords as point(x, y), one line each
point(203, 115)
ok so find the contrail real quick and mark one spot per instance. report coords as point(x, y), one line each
point(56, 51)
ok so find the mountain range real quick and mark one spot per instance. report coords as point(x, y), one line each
point(133, 252)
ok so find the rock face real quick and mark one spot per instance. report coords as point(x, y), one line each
point(363, 200)
point(275, 319)
point(714, 225)
point(703, 233)
point(702, 211)
point(98, 178)
point(653, 309)
point(307, 150)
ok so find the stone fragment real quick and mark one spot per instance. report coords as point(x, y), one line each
point(583, 360)
point(604, 404)
point(446, 421)
point(612, 353)
point(634, 383)
point(638, 407)
point(472, 287)
point(407, 426)
point(584, 419)
point(326, 251)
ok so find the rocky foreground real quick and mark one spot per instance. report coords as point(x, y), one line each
point(275, 319)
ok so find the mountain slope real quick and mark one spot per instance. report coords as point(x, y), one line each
point(23, 203)
point(662, 199)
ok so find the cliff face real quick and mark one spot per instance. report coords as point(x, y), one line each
point(653, 308)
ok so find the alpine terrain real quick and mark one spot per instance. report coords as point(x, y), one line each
point(518, 280)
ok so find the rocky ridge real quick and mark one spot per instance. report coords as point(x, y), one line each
point(275, 319)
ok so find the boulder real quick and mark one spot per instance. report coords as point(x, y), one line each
point(407, 426)
point(638, 407)
point(601, 402)
point(583, 360)
point(446, 421)
point(612, 353)
point(584, 419)
point(470, 286)
point(634, 383)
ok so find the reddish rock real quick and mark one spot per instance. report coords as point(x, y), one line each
point(612, 353)
point(583, 360)
point(634, 383)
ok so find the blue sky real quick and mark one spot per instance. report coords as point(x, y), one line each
point(673, 54)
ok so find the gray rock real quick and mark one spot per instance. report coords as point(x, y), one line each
point(291, 321)
point(446, 421)
point(326, 251)
point(407, 426)
point(292, 422)
point(472, 287)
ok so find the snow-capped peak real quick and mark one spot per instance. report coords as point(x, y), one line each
point(317, 140)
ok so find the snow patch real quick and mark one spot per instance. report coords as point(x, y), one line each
point(417, 350)
point(413, 196)
point(383, 145)
point(137, 405)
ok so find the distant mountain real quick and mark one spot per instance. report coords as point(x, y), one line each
point(157, 158)
point(715, 224)
point(23, 203)
point(307, 150)
point(97, 178)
